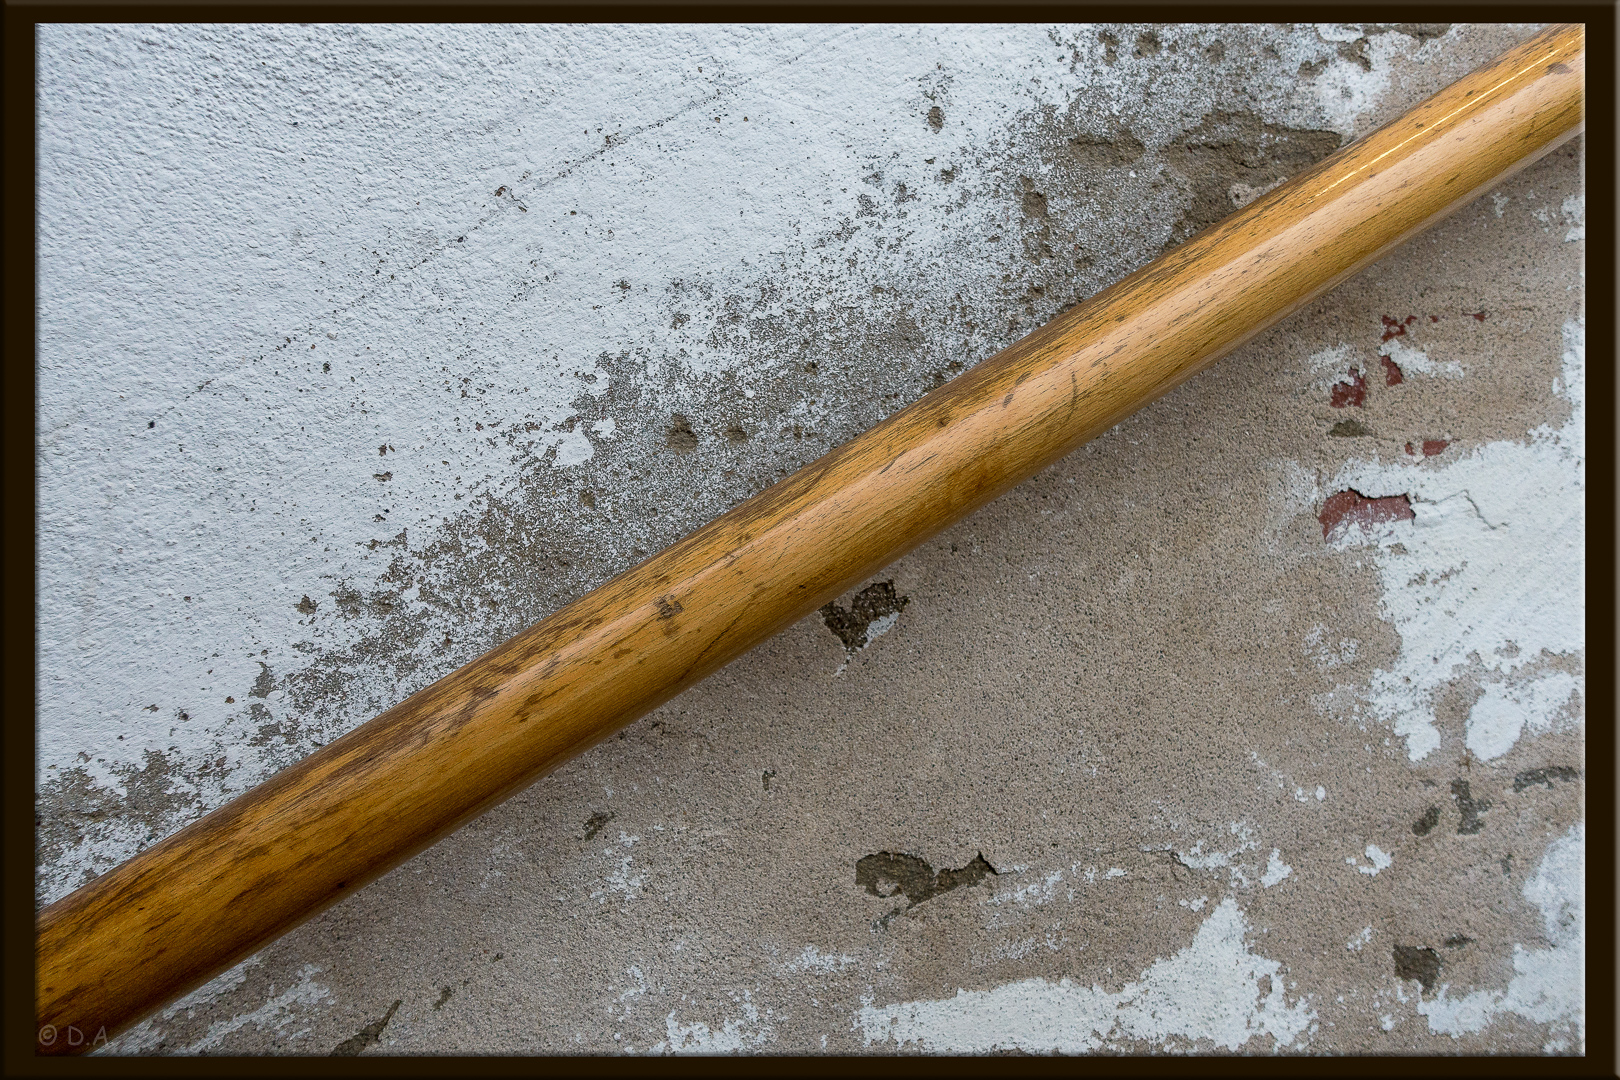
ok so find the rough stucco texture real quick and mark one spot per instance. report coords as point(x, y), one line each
point(1254, 726)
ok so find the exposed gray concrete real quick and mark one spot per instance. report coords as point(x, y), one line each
point(1136, 759)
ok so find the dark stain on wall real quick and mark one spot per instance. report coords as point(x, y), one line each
point(1472, 809)
point(1417, 962)
point(886, 873)
point(1531, 777)
point(594, 823)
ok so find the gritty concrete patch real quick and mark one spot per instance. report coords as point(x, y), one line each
point(1254, 726)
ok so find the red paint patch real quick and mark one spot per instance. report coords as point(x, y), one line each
point(1478, 316)
point(1434, 318)
point(1351, 507)
point(1394, 328)
point(1353, 392)
point(1393, 376)
point(1432, 447)
point(1411, 451)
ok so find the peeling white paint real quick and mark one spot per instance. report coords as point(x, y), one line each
point(1488, 581)
point(1345, 91)
point(735, 1034)
point(1276, 870)
point(1574, 212)
point(1326, 654)
point(573, 449)
point(1505, 709)
point(816, 962)
point(1377, 858)
point(1414, 361)
point(1196, 858)
point(880, 626)
point(1215, 992)
point(637, 990)
point(1036, 893)
point(1548, 985)
point(276, 1014)
point(1331, 364)
point(145, 1036)
point(1355, 944)
point(621, 879)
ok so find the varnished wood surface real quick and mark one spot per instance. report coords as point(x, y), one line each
point(203, 899)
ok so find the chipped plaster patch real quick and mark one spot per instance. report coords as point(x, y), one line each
point(1548, 985)
point(1214, 991)
point(1488, 579)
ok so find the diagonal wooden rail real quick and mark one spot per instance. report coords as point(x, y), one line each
point(201, 900)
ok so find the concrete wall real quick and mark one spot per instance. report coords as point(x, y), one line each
point(362, 348)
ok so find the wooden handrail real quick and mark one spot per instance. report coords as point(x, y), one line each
point(201, 900)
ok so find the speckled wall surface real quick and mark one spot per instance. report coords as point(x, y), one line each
point(1255, 725)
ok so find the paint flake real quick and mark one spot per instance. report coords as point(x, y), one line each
point(1377, 857)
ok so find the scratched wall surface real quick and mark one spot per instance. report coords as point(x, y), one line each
point(1254, 726)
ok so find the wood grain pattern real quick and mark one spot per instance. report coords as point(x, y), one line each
point(208, 896)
